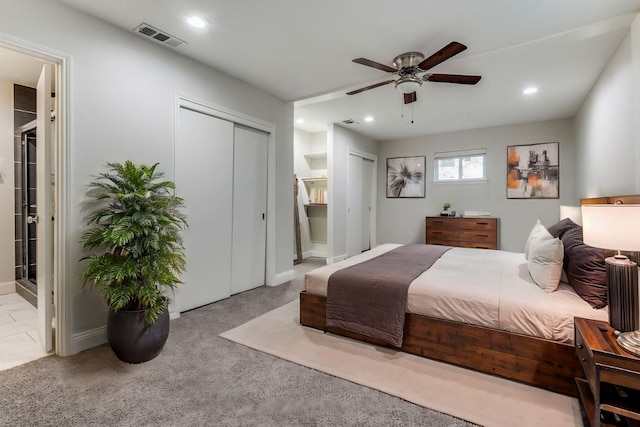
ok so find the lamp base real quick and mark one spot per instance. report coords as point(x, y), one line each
point(622, 293)
point(630, 341)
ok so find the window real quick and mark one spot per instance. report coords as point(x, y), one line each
point(460, 166)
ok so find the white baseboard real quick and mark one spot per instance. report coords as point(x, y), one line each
point(307, 254)
point(7, 287)
point(336, 258)
point(281, 278)
point(319, 254)
point(88, 339)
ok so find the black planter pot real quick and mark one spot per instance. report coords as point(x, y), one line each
point(132, 340)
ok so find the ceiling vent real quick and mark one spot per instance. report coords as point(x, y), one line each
point(350, 122)
point(157, 35)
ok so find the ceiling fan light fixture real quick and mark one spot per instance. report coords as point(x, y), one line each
point(408, 83)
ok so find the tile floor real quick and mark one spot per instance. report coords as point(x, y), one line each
point(19, 338)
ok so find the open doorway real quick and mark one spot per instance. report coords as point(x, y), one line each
point(28, 162)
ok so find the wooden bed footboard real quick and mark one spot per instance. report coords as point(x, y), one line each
point(538, 362)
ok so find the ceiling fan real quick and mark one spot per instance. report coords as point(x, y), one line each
point(410, 64)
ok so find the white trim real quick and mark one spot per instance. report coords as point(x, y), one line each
point(61, 250)
point(318, 254)
point(200, 106)
point(7, 288)
point(281, 278)
point(336, 259)
point(88, 339)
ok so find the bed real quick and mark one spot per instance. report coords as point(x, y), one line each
point(496, 321)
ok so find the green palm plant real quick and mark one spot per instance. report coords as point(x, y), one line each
point(137, 224)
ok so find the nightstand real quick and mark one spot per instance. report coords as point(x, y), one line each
point(611, 393)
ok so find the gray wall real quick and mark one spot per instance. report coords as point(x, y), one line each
point(403, 220)
point(607, 127)
point(123, 106)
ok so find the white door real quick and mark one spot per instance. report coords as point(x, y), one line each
point(204, 179)
point(45, 208)
point(249, 209)
point(354, 205)
point(367, 189)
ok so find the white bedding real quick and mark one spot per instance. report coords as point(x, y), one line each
point(485, 288)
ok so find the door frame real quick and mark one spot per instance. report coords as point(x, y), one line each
point(373, 215)
point(204, 107)
point(61, 246)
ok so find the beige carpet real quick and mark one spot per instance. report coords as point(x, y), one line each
point(475, 397)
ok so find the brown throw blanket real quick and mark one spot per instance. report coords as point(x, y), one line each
point(370, 298)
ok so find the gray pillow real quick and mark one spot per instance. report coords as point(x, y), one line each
point(585, 267)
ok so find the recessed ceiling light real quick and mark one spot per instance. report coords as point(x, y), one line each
point(530, 90)
point(196, 21)
point(299, 121)
point(368, 119)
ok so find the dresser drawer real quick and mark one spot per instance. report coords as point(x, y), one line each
point(443, 234)
point(479, 224)
point(442, 222)
point(442, 242)
point(585, 359)
point(478, 236)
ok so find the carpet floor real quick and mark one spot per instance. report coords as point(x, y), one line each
point(200, 379)
point(480, 398)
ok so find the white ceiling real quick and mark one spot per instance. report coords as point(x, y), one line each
point(18, 68)
point(302, 51)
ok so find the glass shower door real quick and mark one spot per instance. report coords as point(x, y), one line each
point(29, 209)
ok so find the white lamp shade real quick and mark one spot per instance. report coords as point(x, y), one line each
point(615, 227)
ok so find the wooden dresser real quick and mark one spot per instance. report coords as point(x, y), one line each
point(479, 232)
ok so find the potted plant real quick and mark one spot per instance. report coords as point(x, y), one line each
point(136, 255)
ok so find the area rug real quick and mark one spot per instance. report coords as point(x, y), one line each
point(472, 396)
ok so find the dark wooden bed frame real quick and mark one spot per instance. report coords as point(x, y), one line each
point(538, 362)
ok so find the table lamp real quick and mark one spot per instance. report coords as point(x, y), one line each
point(617, 227)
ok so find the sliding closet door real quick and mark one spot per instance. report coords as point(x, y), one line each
point(204, 178)
point(354, 205)
point(249, 209)
point(367, 195)
point(360, 187)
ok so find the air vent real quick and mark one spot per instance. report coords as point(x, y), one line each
point(157, 35)
point(350, 122)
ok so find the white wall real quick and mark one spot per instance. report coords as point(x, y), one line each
point(403, 220)
point(7, 192)
point(607, 139)
point(123, 99)
point(301, 145)
point(339, 141)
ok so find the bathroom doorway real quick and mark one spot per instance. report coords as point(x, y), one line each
point(29, 165)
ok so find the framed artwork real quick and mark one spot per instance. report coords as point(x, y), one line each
point(405, 177)
point(533, 171)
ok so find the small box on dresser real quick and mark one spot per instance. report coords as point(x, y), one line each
point(481, 232)
point(610, 395)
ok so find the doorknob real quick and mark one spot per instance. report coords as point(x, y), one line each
point(32, 219)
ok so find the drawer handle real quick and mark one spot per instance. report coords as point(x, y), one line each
point(482, 235)
point(482, 223)
point(584, 359)
point(437, 232)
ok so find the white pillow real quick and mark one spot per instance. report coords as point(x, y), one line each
point(538, 232)
point(545, 262)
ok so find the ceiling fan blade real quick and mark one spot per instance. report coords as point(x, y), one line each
point(453, 78)
point(410, 97)
point(452, 49)
point(353, 92)
point(379, 66)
